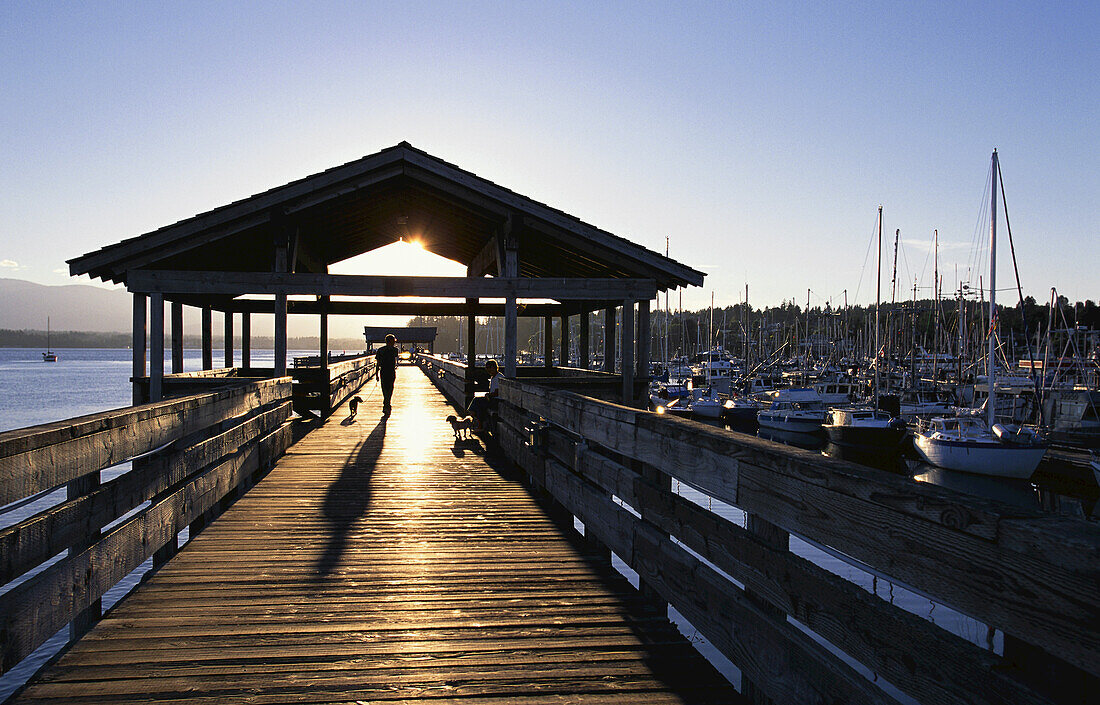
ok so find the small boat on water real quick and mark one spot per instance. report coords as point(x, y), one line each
point(742, 410)
point(968, 442)
point(707, 404)
point(796, 410)
point(49, 355)
point(864, 428)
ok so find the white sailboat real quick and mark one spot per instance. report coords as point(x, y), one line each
point(706, 403)
point(49, 355)
point(968, 443)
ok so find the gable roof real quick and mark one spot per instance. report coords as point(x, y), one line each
point(374, 201)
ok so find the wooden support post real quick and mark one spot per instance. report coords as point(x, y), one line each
point(627, 366)
point(511, 310)
point(776, 539)
point(563, 354)
point(207, 339)
point(643, 339)
point(583, 344)
point(548, 341)
point(164, 554)
point(609, 339)
point(282, 244)
point(138, 345)
point(177, 338)
point(246, 340)
point(156, 347)
point(510, 337)
point(280, 335)
point(326, 402)
point(227, 344)
point(84, 620)
point(663, 482)
point(471, 352)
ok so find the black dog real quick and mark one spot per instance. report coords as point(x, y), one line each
point(353, 405)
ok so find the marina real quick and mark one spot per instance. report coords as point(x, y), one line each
point(278, 540)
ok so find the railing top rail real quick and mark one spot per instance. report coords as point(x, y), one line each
point(42, 457)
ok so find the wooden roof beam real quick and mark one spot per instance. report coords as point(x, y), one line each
point(240, 283)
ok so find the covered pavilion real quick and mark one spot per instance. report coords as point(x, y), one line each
point(250, 256)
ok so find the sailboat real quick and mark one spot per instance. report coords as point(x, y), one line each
point(867, 428)
point(706, 404)
point(967, 442)
point(49, 355)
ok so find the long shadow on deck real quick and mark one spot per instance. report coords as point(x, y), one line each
point(348, 499)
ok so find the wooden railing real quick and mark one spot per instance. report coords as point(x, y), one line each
point(450, 376)
point(1035, 577)
point(313, 393)
point(189, 458)
point(181, 384)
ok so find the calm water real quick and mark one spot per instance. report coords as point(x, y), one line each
point(86, 381)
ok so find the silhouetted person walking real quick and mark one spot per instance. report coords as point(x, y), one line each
point(386, 358)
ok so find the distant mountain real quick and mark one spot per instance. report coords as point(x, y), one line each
point(25, 305)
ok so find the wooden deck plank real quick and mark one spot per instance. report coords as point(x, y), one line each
point(380, 562)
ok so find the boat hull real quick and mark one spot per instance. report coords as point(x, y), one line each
point(866, 439)
point(788, 423)
point(980, 458)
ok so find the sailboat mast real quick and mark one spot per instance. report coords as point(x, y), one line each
point(991, 366)
point(936, 308)
point(878, 305)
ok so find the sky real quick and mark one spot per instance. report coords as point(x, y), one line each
point(759, 138)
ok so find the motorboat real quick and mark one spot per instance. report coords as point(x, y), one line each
point(865, 428)
point(707, 404)
point(797, 410)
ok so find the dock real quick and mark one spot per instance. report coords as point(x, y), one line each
point(380, 561)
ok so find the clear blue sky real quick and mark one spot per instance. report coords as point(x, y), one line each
point(759, 137)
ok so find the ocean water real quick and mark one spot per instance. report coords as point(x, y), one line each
point(86, 381)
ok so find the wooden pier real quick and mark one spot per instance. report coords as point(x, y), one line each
point(381, 561)
point(366, 561)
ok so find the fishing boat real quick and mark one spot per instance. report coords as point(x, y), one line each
point(968, 442)
point(49, 355)
point(796, 410)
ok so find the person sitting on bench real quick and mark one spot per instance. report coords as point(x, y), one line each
point(481, 408)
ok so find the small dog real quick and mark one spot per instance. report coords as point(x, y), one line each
point(462, 426)
point(353, 405)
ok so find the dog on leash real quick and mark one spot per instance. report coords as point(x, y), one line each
point(353, 405)
point(462, 427)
